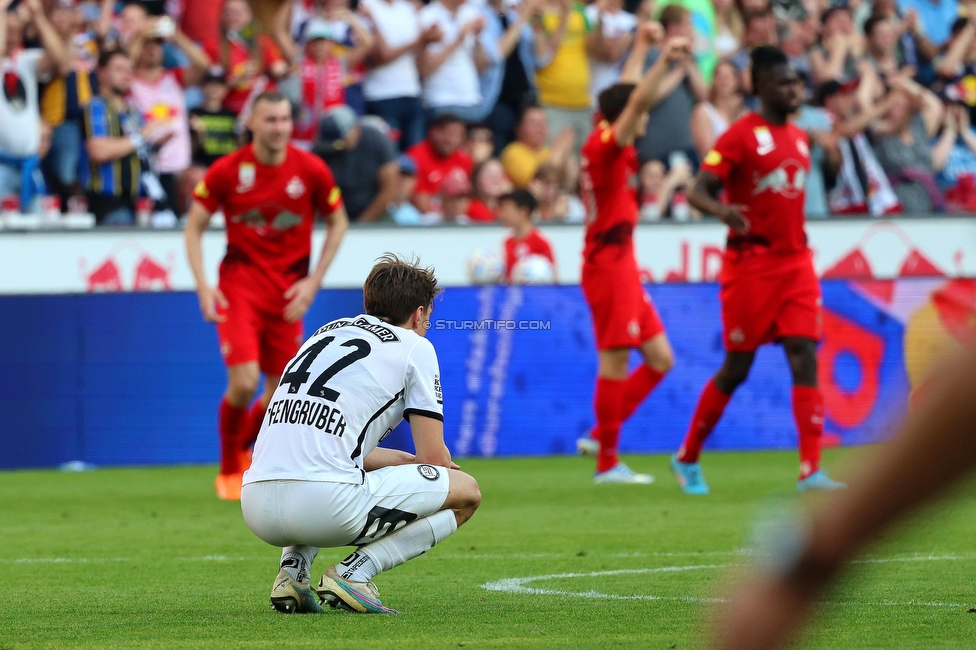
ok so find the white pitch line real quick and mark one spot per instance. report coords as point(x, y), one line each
point(519, 585)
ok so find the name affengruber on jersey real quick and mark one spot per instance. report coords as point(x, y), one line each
point(319, 415)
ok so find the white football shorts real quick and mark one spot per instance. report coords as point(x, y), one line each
point(329, 515)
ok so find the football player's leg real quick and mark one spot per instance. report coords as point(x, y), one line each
point(434, 500)
point(241, 385)
point(658, 360)
point(808, 402)
point(280, 342)
point(712, 402)
point(608, 404)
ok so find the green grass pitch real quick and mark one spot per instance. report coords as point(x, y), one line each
point(149, 558)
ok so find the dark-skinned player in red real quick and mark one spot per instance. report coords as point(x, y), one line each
point(270, 193)
point(769, 289)
point(624, 318)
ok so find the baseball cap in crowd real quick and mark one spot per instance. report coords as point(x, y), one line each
point(214, 74)
point(456, 184)
point(830, 88)
point(334, 126)
point(319, 29)
point(407, 166)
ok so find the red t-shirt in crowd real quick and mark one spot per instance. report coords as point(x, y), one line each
point(478, 211)
point(239, 55)
point(764, 167)
point(606, 171)
point(432, 169)
point(269, 212)
point(517, 249)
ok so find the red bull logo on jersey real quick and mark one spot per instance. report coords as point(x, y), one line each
point(788, 180)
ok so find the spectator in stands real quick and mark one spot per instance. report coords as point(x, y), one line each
point(489, 183)
point(449, 67)
point(214, 127)
point(516, 211)
point(321, 77)
point(401, 210)
point(862, 185)
point(63, 100)
point(913, 48)
point(657, 189)
point(795, 40)
point(836, 55)
point(522, 158)
point(825, 156)
point(159, 95)
point(203, 21)
point(881, 48)
point(20, 118)
point(247, 74)
point(508, 85)
point(954, 157)
point(363, 161)
point(724, 105)
point(935, 16)
point(436, 157)
point(957, 69)
point(902, 146)
point(759, 29)
point(481, 143)
point(564, 73)
point(131, 22)
point(455, 199)
point(392, 84)
point(352, 44)
point(117, 143)
point(729, 28)
point(555, 202)
point(669, 126)
point(608, 43)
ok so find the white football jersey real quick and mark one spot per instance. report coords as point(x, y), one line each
point(349, 385)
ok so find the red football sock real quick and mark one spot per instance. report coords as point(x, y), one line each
point(808, 411)
point(608, 403)
point(709, 411)
point(231, 421)
point(252, 426)
point(638, 386)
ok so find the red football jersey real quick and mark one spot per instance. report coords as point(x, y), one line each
point(517, 249)
point(269, 212)
point(764, 167)
point(606, 171)
point(433, 169)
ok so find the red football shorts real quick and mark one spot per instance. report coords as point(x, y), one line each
point(767, 298)
point(623, 314)
point(250, 333)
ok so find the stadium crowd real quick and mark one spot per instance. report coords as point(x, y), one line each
point(430, 113)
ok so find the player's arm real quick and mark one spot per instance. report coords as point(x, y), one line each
point(428, 440)
point(210, 297)
point(301, 294)
point(645, 94)
point(380, 458)
point(704, 198)
point(909, 471)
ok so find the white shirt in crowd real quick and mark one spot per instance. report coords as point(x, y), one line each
point(349, 385)
point(603, 74)
point(20, 117)
point(455, 82)
point(397, 22)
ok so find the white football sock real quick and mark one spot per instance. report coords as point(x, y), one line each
point(297, 560)
point(405, 544)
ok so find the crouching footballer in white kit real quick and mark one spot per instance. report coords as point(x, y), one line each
point(318, 479)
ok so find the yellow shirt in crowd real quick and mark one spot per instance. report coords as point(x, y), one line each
point(521, 163)
point(565, 82)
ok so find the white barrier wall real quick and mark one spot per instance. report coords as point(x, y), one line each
point(148, 260)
